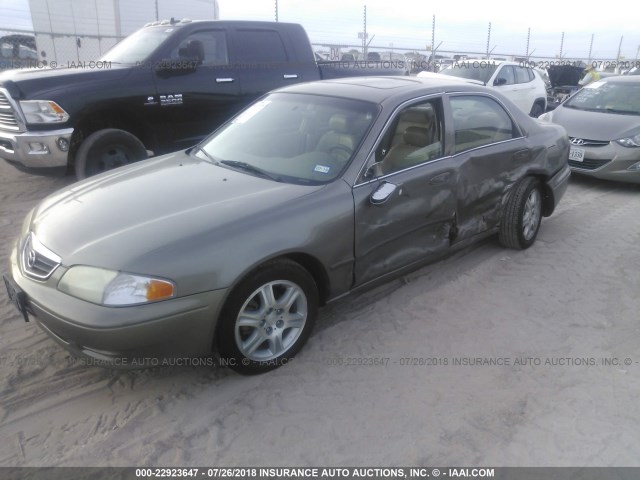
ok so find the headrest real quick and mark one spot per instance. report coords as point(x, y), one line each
point(338, 123)
point(416, 136)
point(418, 115)
point(195, 49)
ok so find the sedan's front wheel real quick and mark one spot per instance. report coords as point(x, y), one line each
point(522, 215)
point(268, 318)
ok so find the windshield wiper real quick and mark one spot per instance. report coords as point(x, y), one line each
point(247, 167)
point(622, 112)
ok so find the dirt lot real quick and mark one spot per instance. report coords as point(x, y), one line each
point(491, 357)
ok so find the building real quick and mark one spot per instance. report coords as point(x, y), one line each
point(83, 30)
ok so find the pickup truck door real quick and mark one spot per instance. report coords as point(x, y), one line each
point(269, 60)
point(198, 90)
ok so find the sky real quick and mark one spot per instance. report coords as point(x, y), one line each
point(460, 26)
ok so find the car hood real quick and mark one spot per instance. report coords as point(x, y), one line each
point(564, 75)
point(114, 219)
point(30, 83)
point(595, 125)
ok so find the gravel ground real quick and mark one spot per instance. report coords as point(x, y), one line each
point(490, 357)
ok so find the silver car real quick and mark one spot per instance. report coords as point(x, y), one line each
point(314, 191)
point(603, 123)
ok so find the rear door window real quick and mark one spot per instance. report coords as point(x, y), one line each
point(260, 46)
point(479, 121)
point(522, 75)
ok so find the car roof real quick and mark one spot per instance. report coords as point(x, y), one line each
point(381, 89)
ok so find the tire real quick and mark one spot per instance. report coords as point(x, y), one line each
point(522, 215)
point(273, 329)
point(107, 149)
point(536, 110)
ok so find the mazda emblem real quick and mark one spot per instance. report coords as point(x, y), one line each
point(31, 258)
point(577, 141)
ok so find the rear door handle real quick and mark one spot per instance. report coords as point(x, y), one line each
point(224, 80)
point(290, 76)
point(524, 154)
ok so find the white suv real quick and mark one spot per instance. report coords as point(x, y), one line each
point(520, 84)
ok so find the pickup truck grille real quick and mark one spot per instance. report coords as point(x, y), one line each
point(7, 115)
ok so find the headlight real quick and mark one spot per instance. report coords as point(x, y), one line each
point(110, 288)
point(545, 117)
point(43, 111)
point(630, 141)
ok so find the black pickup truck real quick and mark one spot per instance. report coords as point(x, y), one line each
point(159, 90)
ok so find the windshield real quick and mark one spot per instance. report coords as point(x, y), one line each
point(138, 46)
point(304, 139)
point(474, 70)
point(607, 97)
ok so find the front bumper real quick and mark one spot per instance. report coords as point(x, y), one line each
point(36, 149)
point(123, 337)
point(609, 162)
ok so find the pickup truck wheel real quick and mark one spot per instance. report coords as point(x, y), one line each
point(522, 215)
point(536, 110)
point(267, 318)
point(107, 149)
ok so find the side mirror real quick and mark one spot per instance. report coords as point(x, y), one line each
point(500, 81)
point(370, 173)
point(383, 193)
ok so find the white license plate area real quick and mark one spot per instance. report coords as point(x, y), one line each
point(576, 154)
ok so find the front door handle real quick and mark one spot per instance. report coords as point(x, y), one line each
point(224, 80)
point(440, 179)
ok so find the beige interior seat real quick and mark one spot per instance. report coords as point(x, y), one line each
point(338, 138)
point(403, 155)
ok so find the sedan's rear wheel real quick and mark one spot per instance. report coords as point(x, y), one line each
point(268, 317)
point(522, 215)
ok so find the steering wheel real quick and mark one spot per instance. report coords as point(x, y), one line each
point(341, 153)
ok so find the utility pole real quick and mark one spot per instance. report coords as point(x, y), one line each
point(590, 48)
point(433, 44)
point(561, 44)
point(488, 40)
point(619, 49)
point(157, 13)
point(528, 37)
point(276, 10)
point(364, 35)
